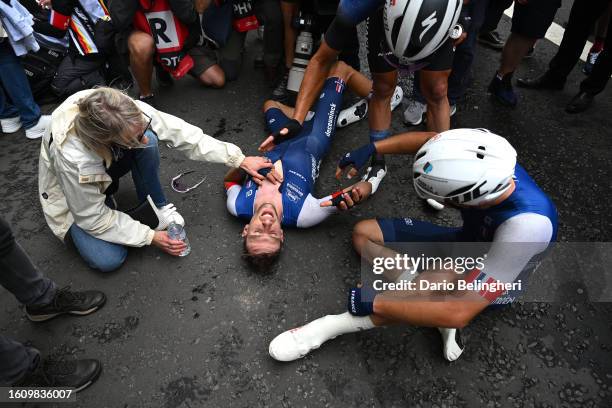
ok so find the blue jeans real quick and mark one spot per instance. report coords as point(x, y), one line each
point(15, 95)
point(144, 166)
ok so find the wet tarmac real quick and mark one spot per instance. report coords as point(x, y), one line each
point(194, 332)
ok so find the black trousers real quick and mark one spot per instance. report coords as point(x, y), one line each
point(583, 16)
point(76, 73)
point(493, 14)
point(20, 277)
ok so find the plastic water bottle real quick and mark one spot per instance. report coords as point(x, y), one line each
point(177, 232)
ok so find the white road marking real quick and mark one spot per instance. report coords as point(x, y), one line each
point(555, 34)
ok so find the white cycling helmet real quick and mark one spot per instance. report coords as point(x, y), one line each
point(466, 166)
point(416, 28)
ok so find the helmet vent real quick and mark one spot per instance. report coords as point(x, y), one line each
point(480, 155)
point(418, 156)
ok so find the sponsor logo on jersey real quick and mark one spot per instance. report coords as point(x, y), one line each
point(408, 221)
point(294, 193)
point(427, 24)
point(297, 174)
point(331, 120)
point(314, 166)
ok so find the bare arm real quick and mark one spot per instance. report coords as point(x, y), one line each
point(430, 308)
point(404, 143)
point(314, 77)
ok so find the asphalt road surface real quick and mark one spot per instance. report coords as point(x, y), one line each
point(194, 332)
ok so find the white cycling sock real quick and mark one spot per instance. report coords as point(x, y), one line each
point(298, 342)
point(452, 347)
point(327, 327)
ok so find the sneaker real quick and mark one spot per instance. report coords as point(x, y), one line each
point(375, 172)
point(413, 115)
point(586, 69)
point(407, 115)
point(77, 374)
point(150, 99)
point(491, 39)
point(280, 92)
point(503, 91)
point(360, 109)
point(40, 128)
point(66, 301)
point(164, 79)
point(10, 125)
point(166, 215)
point(353, 114)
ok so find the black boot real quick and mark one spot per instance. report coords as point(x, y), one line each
point(580, 102)
point(544, 81)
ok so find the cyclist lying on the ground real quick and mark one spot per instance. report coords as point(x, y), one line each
point(284, 198)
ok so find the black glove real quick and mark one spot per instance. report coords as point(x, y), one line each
point(293, 126)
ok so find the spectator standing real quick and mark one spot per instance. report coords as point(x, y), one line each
point(581, 20)
point(530, 22)
point(17, 106)
point(21, 365)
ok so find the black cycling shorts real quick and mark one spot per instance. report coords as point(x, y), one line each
point(441, 60)
point(533, 19)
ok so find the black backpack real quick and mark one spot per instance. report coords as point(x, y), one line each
point(40, 68)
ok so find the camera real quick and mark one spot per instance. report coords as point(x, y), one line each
point(304, 46)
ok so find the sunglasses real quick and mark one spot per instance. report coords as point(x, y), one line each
point(181, 187)
point(142, 135)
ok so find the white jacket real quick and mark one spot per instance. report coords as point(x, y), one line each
point(72, 179)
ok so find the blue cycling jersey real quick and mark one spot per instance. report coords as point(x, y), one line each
point(520, 229)
point(300, 157)
point(481, 224)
